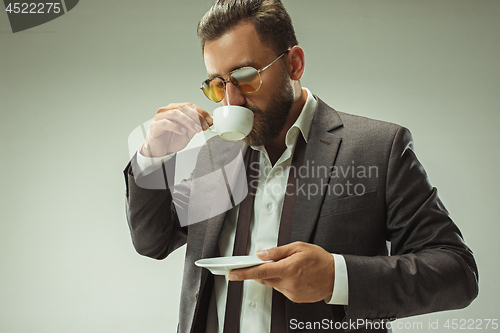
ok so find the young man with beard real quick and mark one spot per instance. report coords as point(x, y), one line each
point(334, 266)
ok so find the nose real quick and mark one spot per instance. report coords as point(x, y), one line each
point(233, 96)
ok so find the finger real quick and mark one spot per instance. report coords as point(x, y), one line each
point(180, 117)
point(273, 283)
point(165, 125)
point(280, 252)
point(265, 271)
point(200, 122)
point(204, 114)
point(171, 106)
point(199, 115)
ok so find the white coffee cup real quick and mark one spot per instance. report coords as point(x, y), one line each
point(233, 122)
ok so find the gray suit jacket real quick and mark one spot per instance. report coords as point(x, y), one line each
point(390, 199)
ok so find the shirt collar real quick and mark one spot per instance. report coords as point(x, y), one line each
point(303, 122)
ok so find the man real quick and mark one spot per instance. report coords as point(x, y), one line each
point(334, 271)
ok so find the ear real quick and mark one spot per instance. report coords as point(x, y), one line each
point(295, 62)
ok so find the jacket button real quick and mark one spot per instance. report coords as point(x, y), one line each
point(196, 295)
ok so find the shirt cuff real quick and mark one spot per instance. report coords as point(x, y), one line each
point(340, 294)
point(146, 165)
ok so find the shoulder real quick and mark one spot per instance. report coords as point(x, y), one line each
point(360, 134)
point(367, 129)
point(327, 118)
point(359, 123)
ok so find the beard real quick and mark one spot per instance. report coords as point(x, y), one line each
point(269, 123)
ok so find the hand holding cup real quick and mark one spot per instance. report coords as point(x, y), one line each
point(173, 127)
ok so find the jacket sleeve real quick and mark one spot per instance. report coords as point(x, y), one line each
point(430, 267)
point(151, 213)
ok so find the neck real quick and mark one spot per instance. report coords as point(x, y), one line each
point(277, 146)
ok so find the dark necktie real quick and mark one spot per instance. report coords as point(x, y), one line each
point(235, 288)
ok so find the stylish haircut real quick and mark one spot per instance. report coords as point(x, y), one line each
point(271, 20)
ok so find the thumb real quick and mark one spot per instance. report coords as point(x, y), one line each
point(276, 253)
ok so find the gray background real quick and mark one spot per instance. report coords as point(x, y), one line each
point(73, 89)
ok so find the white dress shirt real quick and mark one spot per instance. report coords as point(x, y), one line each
point(264, 228)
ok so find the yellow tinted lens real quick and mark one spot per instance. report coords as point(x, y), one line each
point(246, 79)
point(214, 89)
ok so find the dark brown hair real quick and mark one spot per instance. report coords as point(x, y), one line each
point(272, 22)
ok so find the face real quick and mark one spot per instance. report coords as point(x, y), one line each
point(271, 104)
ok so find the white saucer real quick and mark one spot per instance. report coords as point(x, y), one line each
point(222, 265)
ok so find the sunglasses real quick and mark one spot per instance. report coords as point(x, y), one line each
point(246, 79)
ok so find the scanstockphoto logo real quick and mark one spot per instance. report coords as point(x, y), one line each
point(28, 14)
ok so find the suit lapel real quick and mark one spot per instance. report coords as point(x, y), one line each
point(321, 151)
